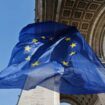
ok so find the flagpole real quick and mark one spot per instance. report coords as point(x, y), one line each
point(19, 96)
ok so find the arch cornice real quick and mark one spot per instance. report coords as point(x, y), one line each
point(99, 15)
point(97, 34)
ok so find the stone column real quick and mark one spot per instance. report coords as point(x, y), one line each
point(40, 95)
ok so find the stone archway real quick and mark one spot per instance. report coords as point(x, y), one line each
point(88, 16)
point(97, 35)
point(79, 99)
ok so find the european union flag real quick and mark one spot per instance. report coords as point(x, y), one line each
point(53, 54)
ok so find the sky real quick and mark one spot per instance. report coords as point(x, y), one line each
point(14, 15)
point(63, 103)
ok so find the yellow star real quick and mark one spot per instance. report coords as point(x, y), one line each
point(65, 63)
point(67, 39)
point(73, 45)
point(27, 48)
point(72, 53)
point(28, 58)
point(35, 40)
point(43, 37)
point(36, 63)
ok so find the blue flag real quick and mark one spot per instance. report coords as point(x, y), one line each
point(51, 54)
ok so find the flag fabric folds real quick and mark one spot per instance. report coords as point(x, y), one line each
point(53, 54)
